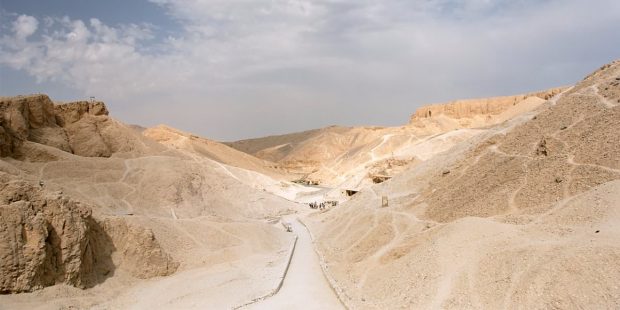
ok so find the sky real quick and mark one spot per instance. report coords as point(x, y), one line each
point(234, 69)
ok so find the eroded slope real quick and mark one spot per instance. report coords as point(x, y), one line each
point(354, 158)
point(147, 209)
point(525, 214)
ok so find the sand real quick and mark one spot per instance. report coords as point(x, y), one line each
point(516, 208)
point(522, 215)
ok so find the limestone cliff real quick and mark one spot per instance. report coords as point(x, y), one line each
point(83, 121)
point(47, 238)
point(43, 239)
point(29, 118)
point(469, 108)
point(81, 128)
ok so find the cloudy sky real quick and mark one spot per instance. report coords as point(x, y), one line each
point(231, 69)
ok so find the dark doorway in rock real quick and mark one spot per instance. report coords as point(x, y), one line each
point(351, 192)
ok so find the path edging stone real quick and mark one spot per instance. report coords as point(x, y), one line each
point(332, 283)
point(280, 281)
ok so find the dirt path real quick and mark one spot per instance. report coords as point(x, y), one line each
point(304, 286)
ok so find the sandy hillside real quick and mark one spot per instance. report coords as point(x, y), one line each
point(354, 158)
point(507, 202)
point(213, 150)
point(243, 168)
point(524, 215)
point(275, 148)
point(127, 211)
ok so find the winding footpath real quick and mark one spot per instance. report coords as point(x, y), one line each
point(305, 286)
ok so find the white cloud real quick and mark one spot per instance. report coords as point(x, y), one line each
point(25, 26)
point(91, 57)
point(237, 63)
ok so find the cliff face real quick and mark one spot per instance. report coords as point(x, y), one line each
point(73, 112)
point(469, 108)
point(69, 127)
point(47, 238)
point(29, 118)
point(44, 239)
point(81, 128)
point(83, 122)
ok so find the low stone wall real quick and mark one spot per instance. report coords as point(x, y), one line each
point(332, 283)
point(280, 279)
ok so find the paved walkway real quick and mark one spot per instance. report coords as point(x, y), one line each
point(304, 287)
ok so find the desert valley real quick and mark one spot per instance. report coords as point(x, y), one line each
point(498, 203)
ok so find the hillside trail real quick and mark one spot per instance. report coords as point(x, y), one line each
point(305, 285)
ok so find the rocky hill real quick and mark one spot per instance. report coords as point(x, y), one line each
point(508, 202)
point(81, 128)
point(470, 108)
point(353, 158)
point(523, 215)
point(87, 201)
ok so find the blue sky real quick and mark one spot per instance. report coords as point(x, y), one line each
point(110, 11)
point(231, 69)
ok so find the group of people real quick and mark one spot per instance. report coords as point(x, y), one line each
point(323, 205)
point(317, 205)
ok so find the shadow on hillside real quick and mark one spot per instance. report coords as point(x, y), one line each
point(97, 264)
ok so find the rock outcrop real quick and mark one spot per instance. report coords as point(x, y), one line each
point(69, 127)
point(47, 239)
point(43, 239)
point(83, 122)
point(136, 250)
point(468, 108)
point(29, 118)
point(8, 143)
point(81, 128)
